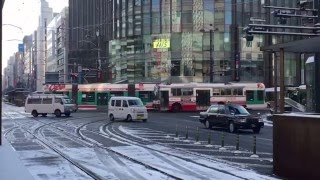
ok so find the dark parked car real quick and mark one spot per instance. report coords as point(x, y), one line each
point(232, 117)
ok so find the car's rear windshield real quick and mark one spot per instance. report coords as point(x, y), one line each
point(135, 102)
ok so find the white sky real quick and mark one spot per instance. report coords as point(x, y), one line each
point(24, 14)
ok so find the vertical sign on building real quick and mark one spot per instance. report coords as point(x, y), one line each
point(237, 66)
point(20, 48)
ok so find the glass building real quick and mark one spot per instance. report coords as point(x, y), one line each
point(169, 41)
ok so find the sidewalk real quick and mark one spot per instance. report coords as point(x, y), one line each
point(11, 167)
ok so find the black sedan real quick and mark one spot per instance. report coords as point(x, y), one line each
point(230, 116)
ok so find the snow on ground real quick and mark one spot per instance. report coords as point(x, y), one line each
point(111, 166)
point(45, 164)
point(217, 168)
point(172, 165)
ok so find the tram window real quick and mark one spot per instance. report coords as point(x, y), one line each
point(187, 91)
point(176, 91)
point(223, 92)
point(250, 96)
point(260, 96)
point(227, 91)
point(237, 92)
point(216, 91)
point(88, 96)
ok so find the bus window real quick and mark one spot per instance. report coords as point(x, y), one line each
point(227, 91)
point(216, 91)
point(187, 91)
point(250, 95)
point(176, 91)
point(260, 96)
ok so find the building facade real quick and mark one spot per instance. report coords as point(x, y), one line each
point(44, 19)
point(169, 41)
point(62, 38)
point(89, 33)
point(27, 59)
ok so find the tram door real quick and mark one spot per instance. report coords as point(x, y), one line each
point(203, 99)
point(102, 99)
point(164, 100)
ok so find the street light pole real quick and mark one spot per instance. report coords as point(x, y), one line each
point(211, 55)
point(99, 60)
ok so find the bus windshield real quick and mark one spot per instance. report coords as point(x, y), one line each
point(135, 102)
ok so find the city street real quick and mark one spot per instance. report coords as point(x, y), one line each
point(88, 146)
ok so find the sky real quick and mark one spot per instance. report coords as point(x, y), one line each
point(24, 14)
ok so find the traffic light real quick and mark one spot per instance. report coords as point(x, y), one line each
point(74, 75)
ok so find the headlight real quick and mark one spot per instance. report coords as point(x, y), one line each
point(133, 110)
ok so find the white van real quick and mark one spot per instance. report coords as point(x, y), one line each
point(49, 103)
point(127, 108)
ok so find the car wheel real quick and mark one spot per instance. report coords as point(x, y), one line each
point(129, 118)
point(232, 128)
point(256, 130)
point(34, 113)
point(57, 113)
point(44, 114)
point(67, 114)
point(208, 125)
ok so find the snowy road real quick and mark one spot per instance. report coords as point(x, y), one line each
point(86, 146)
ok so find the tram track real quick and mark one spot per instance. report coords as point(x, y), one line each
point(86, 142)
point(144, 144)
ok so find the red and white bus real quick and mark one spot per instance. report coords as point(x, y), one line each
point(199, 96)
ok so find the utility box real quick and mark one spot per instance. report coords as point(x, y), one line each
point(296, 146)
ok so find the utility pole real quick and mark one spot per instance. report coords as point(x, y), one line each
point(211, 55)
point(317, 65)
point(99, 60)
